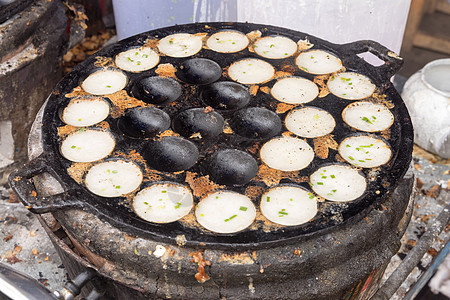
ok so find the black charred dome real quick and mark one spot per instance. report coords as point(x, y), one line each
point(199, 71)
point(198, 120)
point(156, 90)
point(143, 122)
point(170, 154)
point(232, 167)
point(226, 95)
point(256, 123)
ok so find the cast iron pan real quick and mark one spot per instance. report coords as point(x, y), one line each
point(116, 211)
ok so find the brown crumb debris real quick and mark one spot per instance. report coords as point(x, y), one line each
point(272, 177)
point(253, 36)
point(265, 89)
point(197, 257)
point(166, 70)
point(381, 99)
point(201, 185)
point(77, 171)
point(208, 109)
point(123, 101)
point(323, 88)
point(304, 44)
point(254, 192)
point(253, 90)
point(284, 107)
point(168, 132)
point(152, 43)
point(103, 62)
point(322, 145)
point(66, 130)
point(227, 129)
point(243, 258)
point(281, 74)
point(34, 252)
point(7, 238)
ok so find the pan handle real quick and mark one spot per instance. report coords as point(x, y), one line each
point(392, 61)
point(21, 182)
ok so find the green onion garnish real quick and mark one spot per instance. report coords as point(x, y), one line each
point(365, 119)
point(130, 59)
point(271, 46)
point(243, 208)
point(117, 186)
point(171, 42)
point(334, 191)
point(324, 177)
point(230, 218)
point(360, 160)
point(108, 86)
point(332, 176)
point(311, 196)
point(178, 205)
point(146, 203)
point(319, 183)
point(114, 171)
point(73, 147)
point(348, 146)
point(268, 199)
point(164, 192)
point(351, 158)
point(145, 55)
point(304, 69)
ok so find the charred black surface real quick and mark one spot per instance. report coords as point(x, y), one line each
point(170, 154)
point(143, 122)
point(226, 95)
point(199, 71)
point(156, 90)
point(232, 167)
point(256, 123)
point(198, 120)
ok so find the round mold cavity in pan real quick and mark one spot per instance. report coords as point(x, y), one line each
point(207, 123)
point(104, 82)
point(163, 202)
point(351, 86)
point(225, 212)
point(180, 44)
point(113, 178)
point(85, 112)
point(137, 59)
point(251, 71)
point(368, 116)
point(338, 182)
point(286, 153)
point(365, 151)
point(143, 122)
point(295, 90)
point(288, 205)
point(318, 62)
point(310, 122)
point(232, 167)
point(227, 41)
point(225, 95)
point(199, 71)
point(256, 123)
point(275, 47)
point(156, 90)
point(170, 154)
point(87, 145)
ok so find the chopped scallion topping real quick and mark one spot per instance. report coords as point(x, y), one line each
point(108, 86)
point(351, 158)
point(303, 68)
point(164, 191)
point(268, 199)
point(178, 205)
point(230, 218)
point(117, 186)
point(334, 191)
point(360, 160)
point(324, 177)
point(146, 203)
point(272, 45)
point(319, 183)
point(243, 208)
point(73, 147)
point(332, 176)
point(114, 171)
point(365, 119)
point(348, 146)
